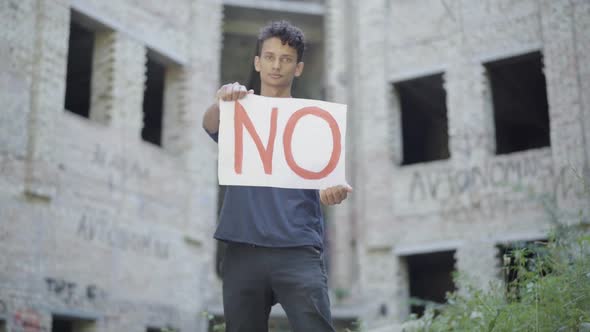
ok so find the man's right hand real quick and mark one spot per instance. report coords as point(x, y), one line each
point(228, 92)
point(232, 91)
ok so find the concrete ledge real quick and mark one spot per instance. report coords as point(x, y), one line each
point(277, 311)
point(93, 18)
point(77, 314)
point(425, 248)
point(280, 6)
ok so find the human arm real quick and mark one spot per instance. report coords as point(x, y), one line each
point(228, 92)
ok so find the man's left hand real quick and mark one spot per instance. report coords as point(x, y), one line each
point(334, 195)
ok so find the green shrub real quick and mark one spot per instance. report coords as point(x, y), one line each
point(551, 292)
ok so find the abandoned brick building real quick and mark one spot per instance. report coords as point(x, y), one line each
point(464, 118)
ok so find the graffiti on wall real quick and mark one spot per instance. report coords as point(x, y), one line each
point(440, 184)
point(28, 320)
point(100, 230)
point(496, 188)
point(72, 293)
point(119, 162)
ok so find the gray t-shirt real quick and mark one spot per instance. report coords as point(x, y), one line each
point(271, 217)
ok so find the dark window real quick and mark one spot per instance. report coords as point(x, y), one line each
point(430, 278)
point(153, 101)
point(162, 329)
point(79, 69)
point(424, 119)
point(69, 324)
point(62, 325)
point(527, 255)
point(519, 96)
point(156, 329)
point(2, 325)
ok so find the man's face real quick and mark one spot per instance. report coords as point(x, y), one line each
point(277, 63)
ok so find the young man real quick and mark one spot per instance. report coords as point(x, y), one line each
point(275, 236)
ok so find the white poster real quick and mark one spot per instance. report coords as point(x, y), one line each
point(282, 142)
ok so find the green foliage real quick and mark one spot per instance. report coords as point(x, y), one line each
point(341, 293)
point(215, 325)
point(551, 292)
point(357, 326)
point(168, 329)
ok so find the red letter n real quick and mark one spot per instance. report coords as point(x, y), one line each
point(242, 120)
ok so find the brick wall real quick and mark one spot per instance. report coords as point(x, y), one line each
point(475, 200)
point(96, 223)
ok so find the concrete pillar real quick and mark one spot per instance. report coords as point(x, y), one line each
point(470, 114)
point(176, 121)
point(49, 58)
point(387, 288)
point(581, 21)
point(371, 145)
point(118, 82)
point(199, 154)
point(339, 78)
point(17, 19)
point(565, 97)
point(478, 265)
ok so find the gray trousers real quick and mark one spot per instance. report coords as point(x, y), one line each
point(256, 278)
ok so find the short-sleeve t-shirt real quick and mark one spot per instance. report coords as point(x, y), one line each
point(270, 217)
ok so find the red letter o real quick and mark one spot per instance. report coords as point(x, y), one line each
point(336, 139)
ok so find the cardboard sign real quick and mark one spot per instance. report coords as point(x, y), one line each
point(282, 142)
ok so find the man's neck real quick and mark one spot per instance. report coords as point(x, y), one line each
point(268, 91)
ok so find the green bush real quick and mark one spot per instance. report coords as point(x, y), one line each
point(551, 292)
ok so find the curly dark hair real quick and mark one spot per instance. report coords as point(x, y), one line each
point(287, 32)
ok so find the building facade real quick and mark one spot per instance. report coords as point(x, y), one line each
point(107, 184)
point(465, 121)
